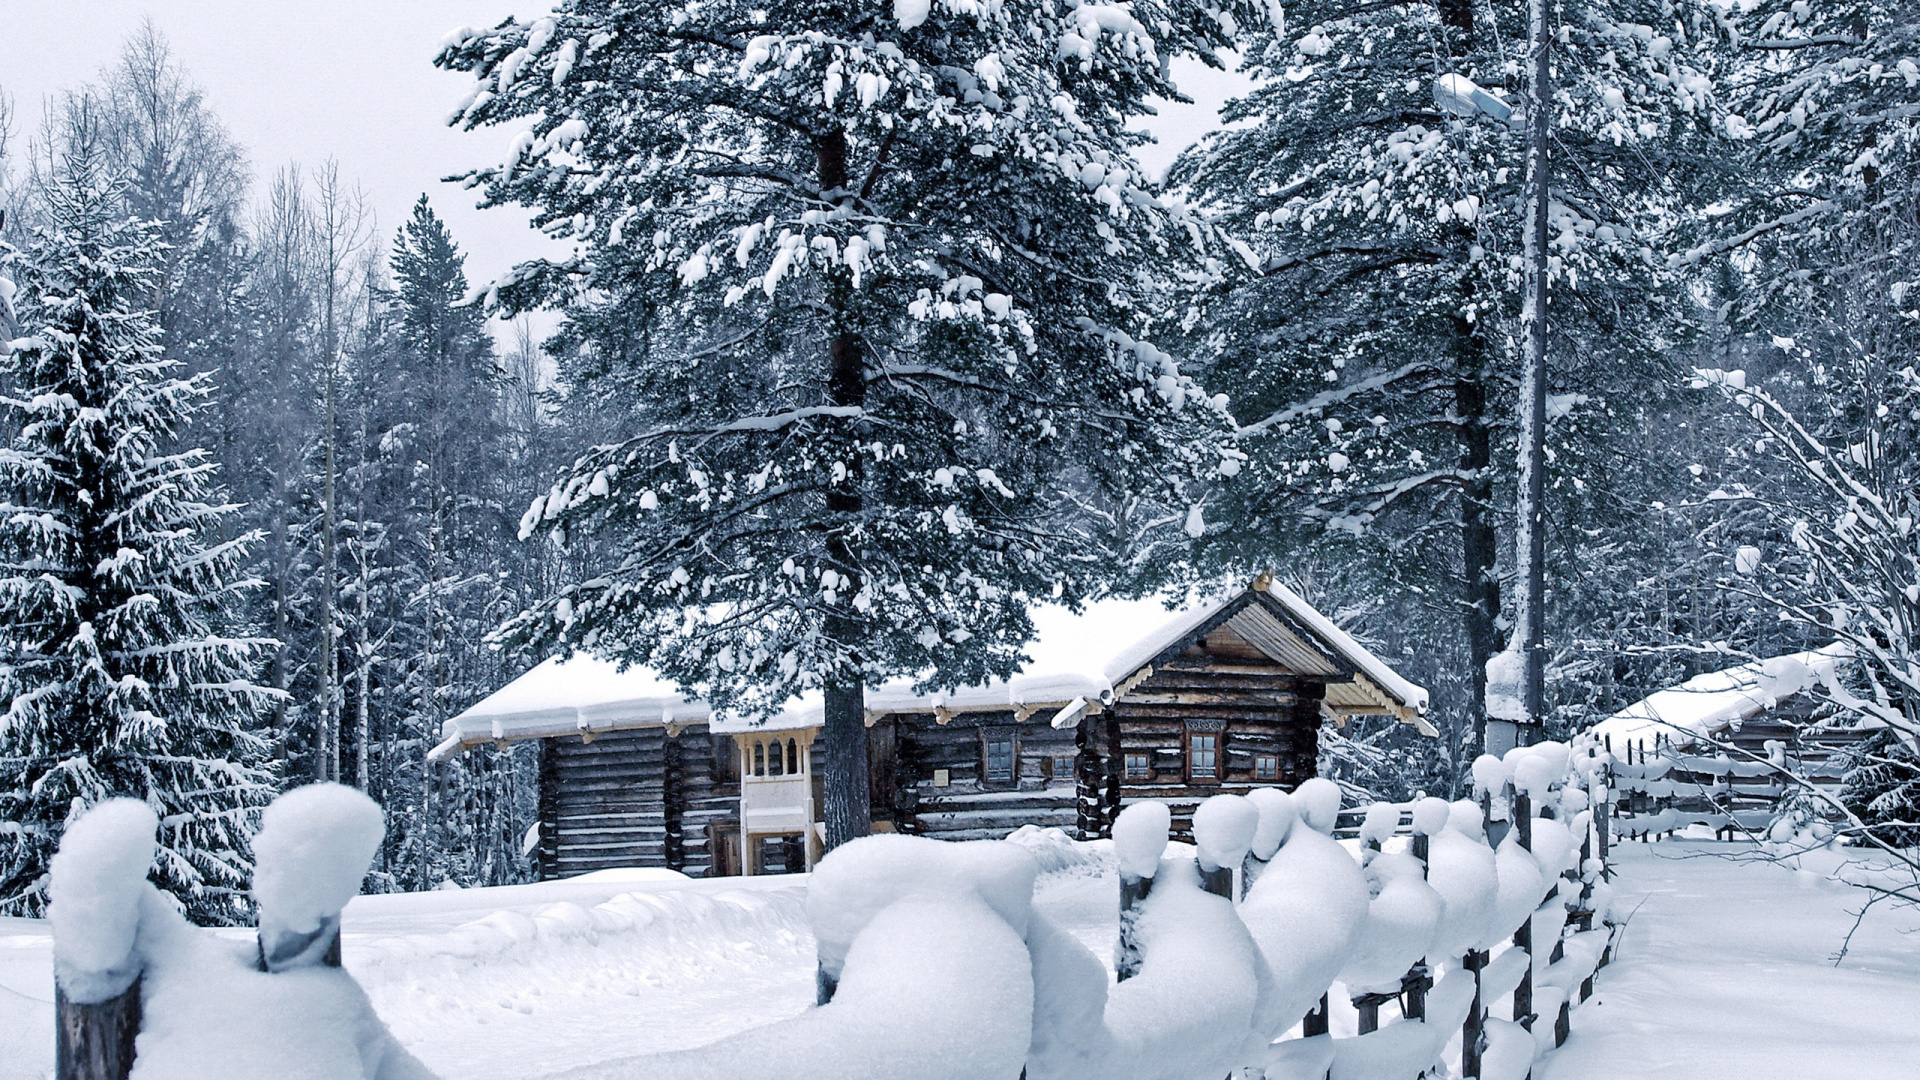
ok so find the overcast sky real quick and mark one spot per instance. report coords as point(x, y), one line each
point(302, 80)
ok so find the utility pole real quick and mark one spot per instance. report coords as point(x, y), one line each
point(1530, 541)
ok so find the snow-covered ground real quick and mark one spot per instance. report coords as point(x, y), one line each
point(1725, 971)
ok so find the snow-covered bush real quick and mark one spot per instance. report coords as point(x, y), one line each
point(1826, 489)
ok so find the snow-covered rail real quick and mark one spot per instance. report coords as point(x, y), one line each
point(1269, 948)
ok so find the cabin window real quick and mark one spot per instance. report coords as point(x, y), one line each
point(773, 759)
point(1139, 767)
point(1063, 766)
point(999, 757)
point(793, 758)
point(759, 759)
point(1203, 755)
point(1266, 767)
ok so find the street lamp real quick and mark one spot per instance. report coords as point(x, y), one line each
point(1517, 677)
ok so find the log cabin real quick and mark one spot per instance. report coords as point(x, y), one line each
point(1121, 702)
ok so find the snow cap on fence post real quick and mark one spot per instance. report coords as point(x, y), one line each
point(99, 881)
point(1379, 824)
point(1319, 803)
point(1490, 774)
point(1277, 815)
point(1430, 816)
point(1140, 837)
point(313, 850)
point(1223, 830)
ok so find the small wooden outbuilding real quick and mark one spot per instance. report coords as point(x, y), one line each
point(1124, 701)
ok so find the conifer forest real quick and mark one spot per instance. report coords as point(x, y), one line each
point(856, 330)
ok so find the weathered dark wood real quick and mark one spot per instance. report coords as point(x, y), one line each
point(673, 848)
point(95, 1041)
point(1217, 880)
point(1413, 991)
point(1368, 1006)
point(1316, 1021)
point(1126, 957)
point(1472, 1035)
point(883, 769)
point(1522, 814)
point(548, 804)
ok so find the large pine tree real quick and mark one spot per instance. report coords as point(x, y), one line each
point(117, 673)
point(874, 280)
point(1374, 353)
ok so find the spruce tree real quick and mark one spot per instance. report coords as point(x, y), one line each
point(874, 283)
point(121, 675)
point(441, 474)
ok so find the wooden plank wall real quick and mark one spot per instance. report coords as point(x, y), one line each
point(633, 798)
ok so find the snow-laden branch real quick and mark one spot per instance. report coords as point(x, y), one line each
point(1693, 256)
point(1329, 398)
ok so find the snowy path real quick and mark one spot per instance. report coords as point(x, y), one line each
point(1726, 973)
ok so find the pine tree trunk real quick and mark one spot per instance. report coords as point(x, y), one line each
point(362, 644)
point(849, 811)
point(1479, 543)
point(282, 567)
point(1530, 540)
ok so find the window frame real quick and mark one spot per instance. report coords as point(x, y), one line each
point(1217, 734)
point(1271, 763)
point(987, 740)
point(1145, 758)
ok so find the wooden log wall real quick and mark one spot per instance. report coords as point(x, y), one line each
point(708, 791)
point(970, 806)
point(1253, 709)
point(634, 798)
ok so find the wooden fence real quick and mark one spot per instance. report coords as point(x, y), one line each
point(1576, 948)
point(1563, 942)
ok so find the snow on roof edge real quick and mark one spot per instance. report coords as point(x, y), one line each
point(1389, 680)
point(594, 695)
point(1714, 699)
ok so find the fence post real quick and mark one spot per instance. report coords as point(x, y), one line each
point(98, 889)
point(1473, 1032)
point(1316, 1022)
point(314, 848)
point(94, 1041)
point(1418, 979)
point(1522, 814)
point(1139, 838)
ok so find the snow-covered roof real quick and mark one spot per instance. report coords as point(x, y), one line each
point(1709, 703)
point(1086, 656)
